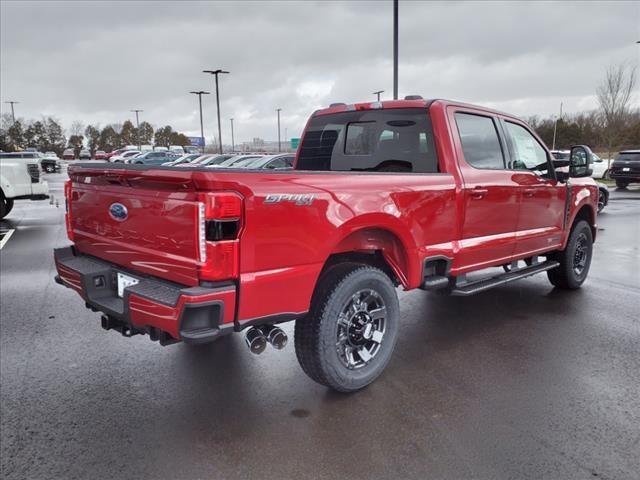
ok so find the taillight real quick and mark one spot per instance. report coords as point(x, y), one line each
point(219, 223)
point(67, 205)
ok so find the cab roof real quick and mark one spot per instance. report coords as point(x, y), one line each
point(410, 102)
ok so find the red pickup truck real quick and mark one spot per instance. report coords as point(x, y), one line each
point(415, 193)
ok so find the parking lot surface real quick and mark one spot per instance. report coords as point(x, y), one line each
point(522, 381)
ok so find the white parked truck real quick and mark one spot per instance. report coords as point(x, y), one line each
point(20, 180)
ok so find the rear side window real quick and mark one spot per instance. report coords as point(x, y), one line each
point(480, 143)
point(393, 140)
point(628, 156)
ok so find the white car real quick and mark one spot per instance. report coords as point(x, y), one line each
point(600, 167)
point(122, 158)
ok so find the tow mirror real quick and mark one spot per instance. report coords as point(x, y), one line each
point(580, 160)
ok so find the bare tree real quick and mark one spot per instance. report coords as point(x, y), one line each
point(614, 97)
point(77, 128)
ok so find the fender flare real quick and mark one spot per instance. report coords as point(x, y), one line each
point(379, 232)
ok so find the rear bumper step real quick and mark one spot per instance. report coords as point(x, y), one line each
point(477, 286)
point(165, 311)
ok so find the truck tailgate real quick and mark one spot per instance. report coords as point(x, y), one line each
point(142, 221)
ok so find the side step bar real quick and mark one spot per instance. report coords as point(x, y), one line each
point(477, 286)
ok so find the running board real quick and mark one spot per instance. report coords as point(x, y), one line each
point(477, 286)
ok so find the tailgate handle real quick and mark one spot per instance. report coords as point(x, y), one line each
point(110, 177)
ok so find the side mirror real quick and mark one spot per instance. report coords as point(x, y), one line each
point(580, 160)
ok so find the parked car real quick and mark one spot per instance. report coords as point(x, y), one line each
point(100, 155)
point(20, 180)
point(51, 155)
point(69, 154)
point(177, 149)
point(184, 159)
point(371, 205)
point(603, 196)
point(560, 154)
point(118, 151)
point(625, 169)
point(152, 158)
point(124, 156)
point(231, 162)
point(48, 163)
point(85, 154)
point(207, 160)
point(599, 167)
point(160, 149)
point(272, 162)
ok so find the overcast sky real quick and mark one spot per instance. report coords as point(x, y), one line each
point(94, 62)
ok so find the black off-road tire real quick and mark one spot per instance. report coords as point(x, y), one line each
point(566, 276)
point(6, 205)
point(316, 334)
point(621, 183)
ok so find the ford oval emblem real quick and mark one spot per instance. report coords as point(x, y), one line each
point(118, 212)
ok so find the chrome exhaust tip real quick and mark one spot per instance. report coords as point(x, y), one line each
point(256, 341)
point(275, 336)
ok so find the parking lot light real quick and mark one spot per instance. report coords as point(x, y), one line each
point(13, 114)
point(216, 73)
point(279, 145)
point(200, 93)
point(138, 127)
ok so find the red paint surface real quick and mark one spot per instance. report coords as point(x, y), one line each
point(283, 246)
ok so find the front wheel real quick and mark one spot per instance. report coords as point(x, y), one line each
point(346, 339)
point(49, 168)
point(602, 201)
point(621, 184)
point(6, 204)
point(574, 260)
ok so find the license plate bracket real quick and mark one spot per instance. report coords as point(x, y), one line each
point(125, 281)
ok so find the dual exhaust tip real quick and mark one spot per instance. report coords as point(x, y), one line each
point(258, 337)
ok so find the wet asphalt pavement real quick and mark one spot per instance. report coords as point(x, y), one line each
point(523, 381)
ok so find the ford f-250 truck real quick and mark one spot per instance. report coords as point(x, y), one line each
point(413, 193)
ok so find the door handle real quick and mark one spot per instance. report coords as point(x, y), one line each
point(478, 193)
point(529, 192)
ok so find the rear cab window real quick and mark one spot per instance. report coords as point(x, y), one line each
point(391, 140)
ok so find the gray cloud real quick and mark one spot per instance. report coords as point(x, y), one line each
point(95, 61)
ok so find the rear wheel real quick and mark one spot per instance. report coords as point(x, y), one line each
point(574, 260)
point(347, 338)
point(6, 204)
point(49, 168)
point(621, 184)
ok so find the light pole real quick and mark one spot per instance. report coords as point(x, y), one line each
point(138, 127)
point(555, 126)
point(13, 114)
point(378, 93)
point(233, 144)
point(395, 49)
point(279, 146)
point(216, 73)
point(200, 93)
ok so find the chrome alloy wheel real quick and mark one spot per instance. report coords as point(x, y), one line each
point(581, 254)
point(361, 328)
